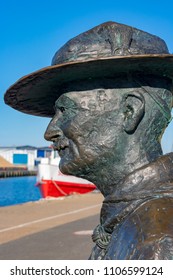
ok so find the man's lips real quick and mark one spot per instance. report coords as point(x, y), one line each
point(60, 145)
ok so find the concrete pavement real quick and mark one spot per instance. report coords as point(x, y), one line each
point(50, 229)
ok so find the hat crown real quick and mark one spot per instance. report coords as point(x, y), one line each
point(108, 40)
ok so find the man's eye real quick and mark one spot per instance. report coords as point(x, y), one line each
point(62, 109)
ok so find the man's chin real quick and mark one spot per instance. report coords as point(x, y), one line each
point(63, 168)
point(67, 167)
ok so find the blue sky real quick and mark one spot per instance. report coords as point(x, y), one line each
point(32, 31)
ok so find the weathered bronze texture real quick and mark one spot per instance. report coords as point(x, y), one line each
point(109, 93)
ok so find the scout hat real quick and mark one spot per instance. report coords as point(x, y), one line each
point(107, 50)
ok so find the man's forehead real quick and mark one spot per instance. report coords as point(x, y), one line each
point(79, 96)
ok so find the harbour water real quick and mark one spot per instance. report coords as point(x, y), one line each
point(17, 190)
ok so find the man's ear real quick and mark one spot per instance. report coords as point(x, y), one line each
point(134, 109)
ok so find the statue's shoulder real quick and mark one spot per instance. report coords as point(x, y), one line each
point(147, 233)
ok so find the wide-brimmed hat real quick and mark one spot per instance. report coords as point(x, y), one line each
point(105, 51)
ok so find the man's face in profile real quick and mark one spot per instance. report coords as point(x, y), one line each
point(85, 128)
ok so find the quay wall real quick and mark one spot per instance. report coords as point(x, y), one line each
point(16, 172)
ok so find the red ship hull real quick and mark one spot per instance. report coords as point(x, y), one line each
point(50, 188)
point(53, 183)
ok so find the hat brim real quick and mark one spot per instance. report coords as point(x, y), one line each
point(37, 92)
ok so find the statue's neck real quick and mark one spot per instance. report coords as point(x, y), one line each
point(109, 176)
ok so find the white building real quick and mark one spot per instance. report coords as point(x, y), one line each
point(25, 155)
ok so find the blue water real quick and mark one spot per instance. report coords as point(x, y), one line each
point(17, 190)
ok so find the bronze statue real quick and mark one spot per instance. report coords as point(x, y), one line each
point(109, 93)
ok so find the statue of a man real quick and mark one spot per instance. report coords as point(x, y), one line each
point(109, 93)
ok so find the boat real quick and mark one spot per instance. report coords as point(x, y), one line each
point(52, 183)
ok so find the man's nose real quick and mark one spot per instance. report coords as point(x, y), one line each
point(52, 132)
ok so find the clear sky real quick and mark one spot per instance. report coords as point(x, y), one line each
point(32, 31)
